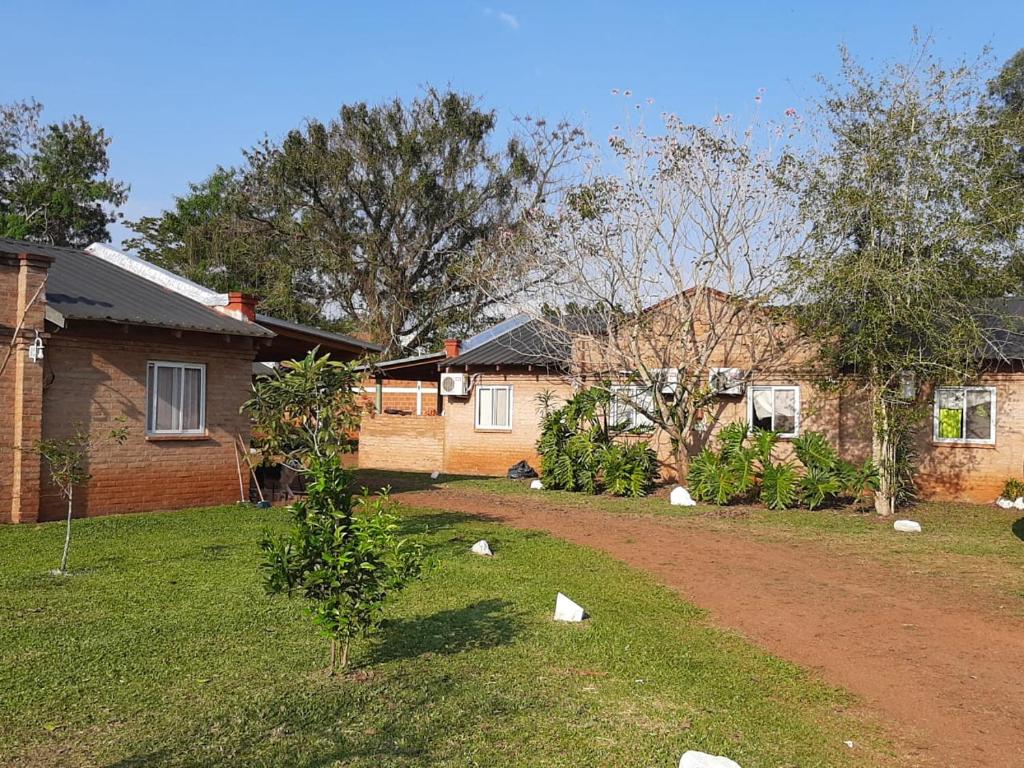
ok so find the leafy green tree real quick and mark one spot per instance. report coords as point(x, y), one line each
point(905, 253)
point(67, 461)
point(208, 238)
point(1005, 111)
point(385, 216)
point(54, 179)
point(343, 554)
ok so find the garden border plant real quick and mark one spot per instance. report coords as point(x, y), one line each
point(743, 470)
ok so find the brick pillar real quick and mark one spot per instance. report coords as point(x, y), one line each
point(22, 315)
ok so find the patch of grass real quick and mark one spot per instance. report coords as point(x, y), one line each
point(162, 650)
point(975, 545)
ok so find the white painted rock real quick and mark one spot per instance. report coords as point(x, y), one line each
point(567, 610)
point(481, 548)
point(1004, 503)
point(680, 497)
point(907, 526)
point(537, 485)
point(1019, 503)
point(693, 759)
point(434, 475)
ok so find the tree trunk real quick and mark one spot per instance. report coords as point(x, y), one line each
point(883, 452)
point(682, 458)
point(67, 535)
point(344, 654)
point(334, 657)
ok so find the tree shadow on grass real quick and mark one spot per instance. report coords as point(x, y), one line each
point(1018, 529)
point(483, 624)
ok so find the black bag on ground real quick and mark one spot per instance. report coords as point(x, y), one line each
point(522, 471)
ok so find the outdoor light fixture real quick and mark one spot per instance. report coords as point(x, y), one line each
point(35, 349)
point(908, 385)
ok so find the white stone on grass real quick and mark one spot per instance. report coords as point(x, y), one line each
point(907, 526)
point(481, 548)
point(434, 475)
point(567, 610)
point(1004, 503)
point(1019, 503)
point(537, 485)
point(680, 497)
point(693, 759)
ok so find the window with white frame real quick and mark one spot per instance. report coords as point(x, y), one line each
point(965, 415)
point(176, 398)
point(494, 407)
point(628, 403)
point(776, 409)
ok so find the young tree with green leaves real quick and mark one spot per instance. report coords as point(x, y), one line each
point(905, 254)
point(55, 186)
point(67, 461)
point(344, 553)
point(384, 216)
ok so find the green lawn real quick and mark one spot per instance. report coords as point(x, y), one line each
point(161, 649)
point(978, 546)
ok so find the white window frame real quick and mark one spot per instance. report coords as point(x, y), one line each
point(151, 400)
point(991, 440)
point(639, 420)
point(775, 388)
point(476, 407)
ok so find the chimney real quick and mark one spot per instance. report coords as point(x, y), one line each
point(241, 305)
point(452, 347)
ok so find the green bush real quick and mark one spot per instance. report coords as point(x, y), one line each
point(743, 469)
point(1013, 489)
point(578, 452)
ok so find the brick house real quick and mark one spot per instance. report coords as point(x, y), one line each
point(972, 444)
point(127, 344)
point(484, 431)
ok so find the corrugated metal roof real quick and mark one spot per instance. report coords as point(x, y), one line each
point(339, 338)
point(83, 287)
point(534, 342)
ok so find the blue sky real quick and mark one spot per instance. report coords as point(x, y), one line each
point(186, 85)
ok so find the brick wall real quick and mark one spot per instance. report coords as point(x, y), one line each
point(22, 308)
point(411, 443)
point(472, 451)
point(401, 395)
point(96, 373)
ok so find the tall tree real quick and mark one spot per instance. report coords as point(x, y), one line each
point(666, 263)
point(54, 179)
point(385, 215)
point(906, 251)
point(207, 237)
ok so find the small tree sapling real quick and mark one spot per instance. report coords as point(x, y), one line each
point(67, 461)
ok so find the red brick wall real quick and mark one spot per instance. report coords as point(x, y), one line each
point(22, 307)
point(96, 373)
point(412, 443)
point(471, 451)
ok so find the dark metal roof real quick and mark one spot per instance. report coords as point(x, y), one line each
point(81, 286)
point(536, 343)
point(309, 330)
point(1003, 324)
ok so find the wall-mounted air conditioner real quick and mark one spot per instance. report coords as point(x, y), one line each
point(454, 384)
point(726, 381)
point(668, 378)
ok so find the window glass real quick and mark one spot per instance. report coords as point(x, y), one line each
point(494, 407)
point(785, 411)
point(964, 413)
point(176, 397)
point(762, 408)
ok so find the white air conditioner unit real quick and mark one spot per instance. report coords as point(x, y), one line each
point(726, 381)
point(454, 384)
point(668, 378)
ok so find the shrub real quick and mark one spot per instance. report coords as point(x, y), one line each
point(743, 469)
point(1013, 488)
point(578, 452)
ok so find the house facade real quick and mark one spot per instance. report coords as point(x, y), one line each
point(971, 445)
point(102, 341)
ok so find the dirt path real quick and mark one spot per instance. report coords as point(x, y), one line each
point(941, 667)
